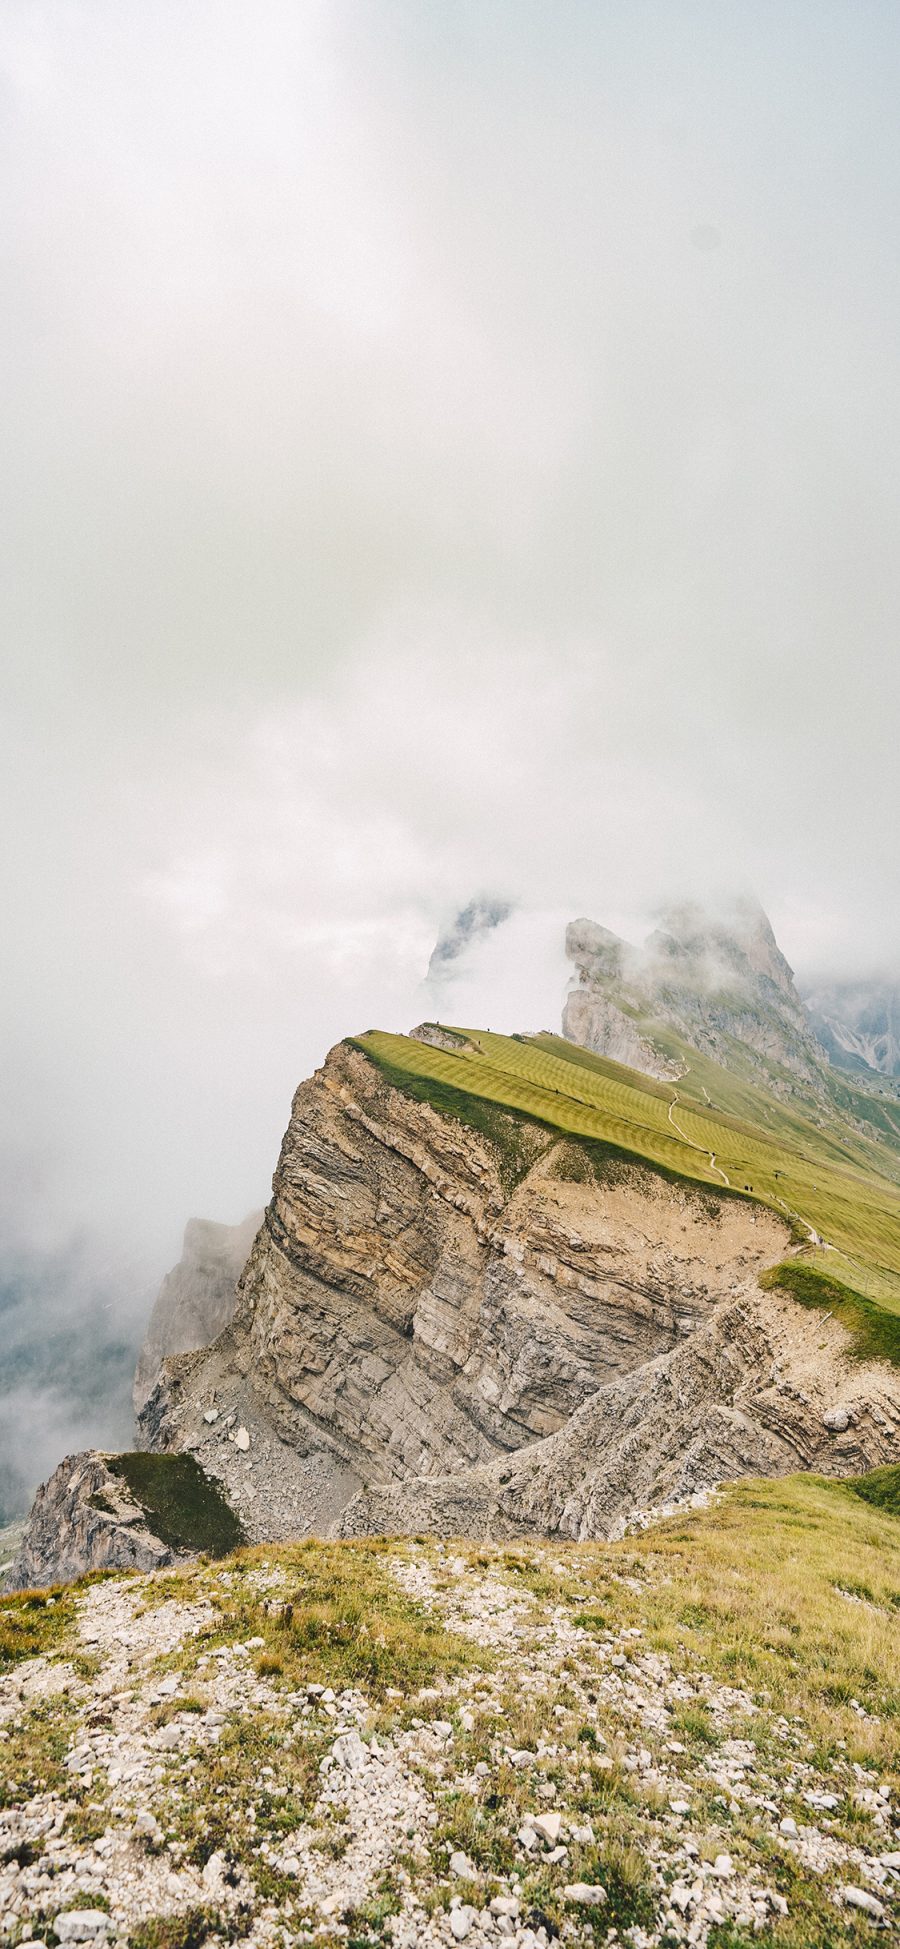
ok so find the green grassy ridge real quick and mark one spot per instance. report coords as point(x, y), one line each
point(603, 1160)
point(503, 1128)
point(874, 1333)
point(527, 1088)
point(828, 1122)
point(183, 1505)
point(768, 1151)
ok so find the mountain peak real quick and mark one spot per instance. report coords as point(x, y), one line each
point(715, 975)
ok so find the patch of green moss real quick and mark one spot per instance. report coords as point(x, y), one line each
point(874, 1332)
point(184, 1507)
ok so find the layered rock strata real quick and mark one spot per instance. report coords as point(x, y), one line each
point(472, 1327)
point(762, 1388)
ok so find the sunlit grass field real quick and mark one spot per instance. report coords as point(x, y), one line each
point(839, 1187)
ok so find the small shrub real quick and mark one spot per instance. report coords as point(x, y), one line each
point(187, 1931)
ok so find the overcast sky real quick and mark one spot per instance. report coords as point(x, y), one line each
point(451, 448)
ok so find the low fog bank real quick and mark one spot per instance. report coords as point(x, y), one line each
point(70, 1325)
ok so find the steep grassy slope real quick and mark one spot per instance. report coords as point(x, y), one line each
point(840, 1188)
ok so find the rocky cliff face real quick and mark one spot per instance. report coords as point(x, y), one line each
point(858, 1024)
point(718, 980)
point(476, 1325)
point(121, 1512)
point(197, 1298)
point(759, 1389)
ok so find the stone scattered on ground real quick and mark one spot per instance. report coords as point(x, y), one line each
point(170, 1775)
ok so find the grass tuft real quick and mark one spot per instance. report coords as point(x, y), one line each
point(33, 1623)
point(189, 1930)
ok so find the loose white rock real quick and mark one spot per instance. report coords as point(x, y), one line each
point(860, 1898)
point(549, 1826)
point(82, 1925)
point(349, 1752)
point(461, 1920)
point(588, 1893)
point(242, 1440)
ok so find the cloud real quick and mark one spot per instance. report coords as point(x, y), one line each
point(406, 499)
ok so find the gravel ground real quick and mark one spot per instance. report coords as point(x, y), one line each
point(573, 1783)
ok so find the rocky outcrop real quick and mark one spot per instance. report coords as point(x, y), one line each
point(762, 1388)
point(720, 980)
point(84, 1518)
point(197, 1298)
point(472, 924)
point(121, 1512)
point(430, 1319)
point(596, 1022)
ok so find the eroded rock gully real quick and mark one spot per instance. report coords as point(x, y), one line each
point(436, 1328)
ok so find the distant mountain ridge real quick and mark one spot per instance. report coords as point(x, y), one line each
point(719, 980)
point(858, 1024)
